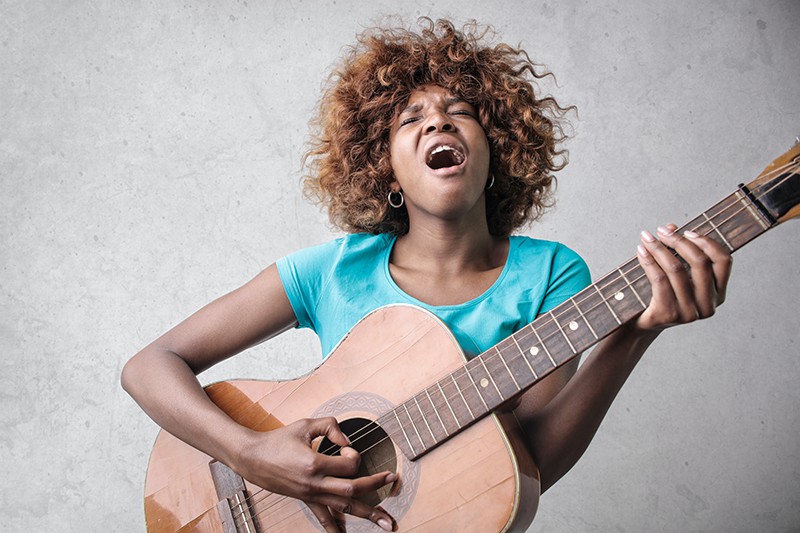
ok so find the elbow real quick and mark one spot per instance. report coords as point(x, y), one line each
point(127, 378)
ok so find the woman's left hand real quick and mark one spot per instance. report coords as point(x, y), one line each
point(682, 292)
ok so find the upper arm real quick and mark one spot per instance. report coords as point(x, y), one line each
point(250, 314)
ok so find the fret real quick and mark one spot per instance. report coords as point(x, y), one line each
point(413, 425)
point(438, 417)
point(633, 289)
point(524, 357)
point(461, 391)
point(469, 388)
point(403, 430)
point(607, 304)
point(588, 324)
point(425, 419)
point(563, 333)
point(719, 233)
point(447, 402)
point(505, 364)
point(616, 292)
point(501, 371)
point(482, 378)
point(542, 344)
point(748, 204)
point(559, 347)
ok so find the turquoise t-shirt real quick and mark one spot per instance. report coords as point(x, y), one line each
point(334, 285)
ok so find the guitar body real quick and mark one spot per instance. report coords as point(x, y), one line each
point(483, 479)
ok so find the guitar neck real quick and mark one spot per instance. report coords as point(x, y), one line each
point(554, 338)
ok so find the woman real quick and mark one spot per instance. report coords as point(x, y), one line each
point(432, 149)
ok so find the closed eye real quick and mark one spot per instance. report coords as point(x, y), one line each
point(409, 120)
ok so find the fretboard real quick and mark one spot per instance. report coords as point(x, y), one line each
point(554, 338)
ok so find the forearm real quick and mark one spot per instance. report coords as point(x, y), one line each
point(559, 433)
point(167, 389)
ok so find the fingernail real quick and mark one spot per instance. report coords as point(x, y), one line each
point(690, 234)
point(642, 251)
point(391, 478)
point(647, 236)
point(385, 524)
point(665, 231)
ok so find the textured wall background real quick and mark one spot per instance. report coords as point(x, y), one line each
point(149, 162)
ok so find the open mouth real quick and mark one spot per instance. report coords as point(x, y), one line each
point(445, 156)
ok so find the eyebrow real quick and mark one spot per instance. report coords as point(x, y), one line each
point(450, 100)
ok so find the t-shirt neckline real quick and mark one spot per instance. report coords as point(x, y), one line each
point(392, 239)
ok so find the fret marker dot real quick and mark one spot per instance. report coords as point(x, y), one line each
point(484, 383)
point(573, 325)
point(619, 296)
point(534, 350)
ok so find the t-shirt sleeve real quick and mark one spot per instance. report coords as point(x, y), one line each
point(568, 276)
point(304, 275)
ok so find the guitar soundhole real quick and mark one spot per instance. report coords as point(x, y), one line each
point(376, 449)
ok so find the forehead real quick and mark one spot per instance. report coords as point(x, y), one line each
point(429, 94)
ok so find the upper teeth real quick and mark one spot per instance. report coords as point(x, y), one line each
point(441, 148)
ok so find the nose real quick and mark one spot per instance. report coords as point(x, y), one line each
point(439, 121)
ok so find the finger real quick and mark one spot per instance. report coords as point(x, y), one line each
point(721, 261)
point(689, 271)
point(325, 517)
point(702, 286)
point(345, 506)
point(355, 487)
point(661, 291)
point(343, 465)
point(669, 281)
point(325, 427)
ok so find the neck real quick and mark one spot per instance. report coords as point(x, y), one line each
point(449, 247)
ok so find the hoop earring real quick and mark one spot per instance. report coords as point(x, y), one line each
point(398, 203)
point(491, 182)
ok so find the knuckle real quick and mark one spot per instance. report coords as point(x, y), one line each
point(349, 491)
point(676, 267)
point(703, 262)
point(690, 316)
point(311, 467)
point(305, 491)
point(659, 278)
point(352, 469)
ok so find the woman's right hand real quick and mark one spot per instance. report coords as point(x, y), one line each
point(283, 461)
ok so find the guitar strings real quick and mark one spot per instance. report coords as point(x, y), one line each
point(250, 500)
point(604, 299)
point(562, 314)
point(780, 169)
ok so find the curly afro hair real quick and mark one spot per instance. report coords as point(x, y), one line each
point(348, 162)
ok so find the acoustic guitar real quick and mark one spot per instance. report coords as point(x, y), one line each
point(461, 466)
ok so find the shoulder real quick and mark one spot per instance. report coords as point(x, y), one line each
point(333, 251)
point(539, 251)
point(551, 269)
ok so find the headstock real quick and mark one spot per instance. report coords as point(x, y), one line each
point(777, 188)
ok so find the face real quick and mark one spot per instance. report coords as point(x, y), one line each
point(439, 154)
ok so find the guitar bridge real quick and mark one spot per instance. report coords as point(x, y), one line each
point(233, 506)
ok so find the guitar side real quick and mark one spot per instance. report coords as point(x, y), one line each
point(481, 480)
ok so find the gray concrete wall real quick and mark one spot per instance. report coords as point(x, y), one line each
point(149, 162)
